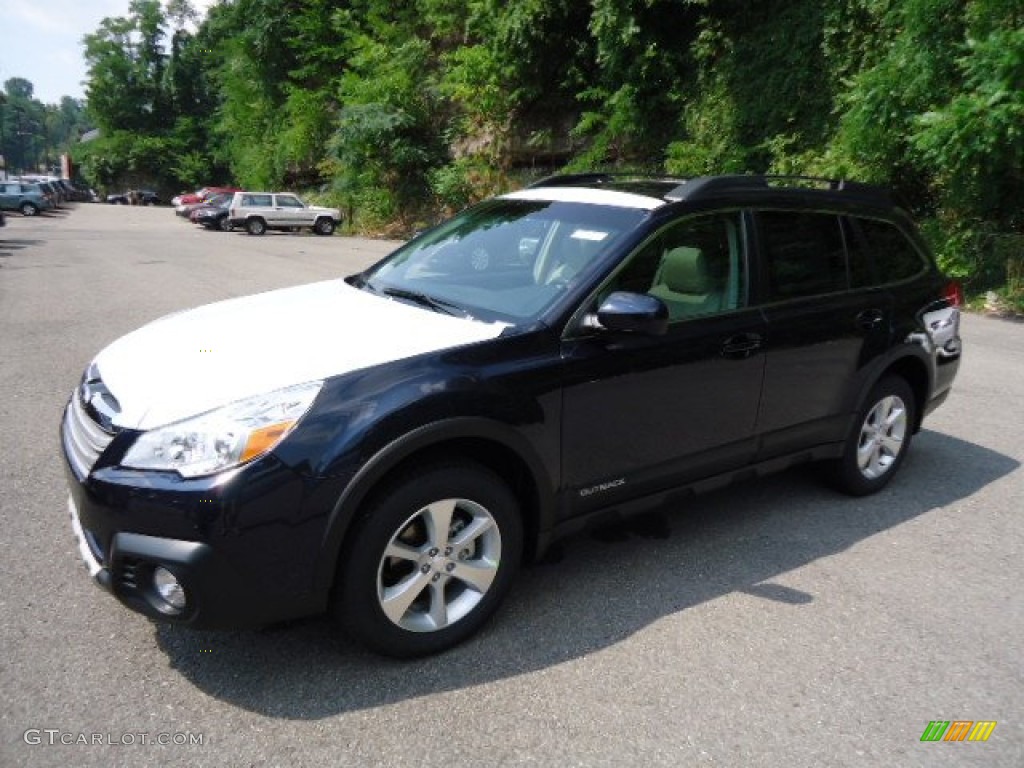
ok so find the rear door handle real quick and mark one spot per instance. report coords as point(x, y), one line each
point(742, 346)
point(870, 319)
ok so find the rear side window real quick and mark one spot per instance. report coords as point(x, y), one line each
point(805, 253)
point(895, 257)
point(257, 200)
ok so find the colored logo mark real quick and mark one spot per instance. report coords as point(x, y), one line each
point(958, 730)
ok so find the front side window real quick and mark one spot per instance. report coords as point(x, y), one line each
point(507, 260)
point(696, 266)
point(288, 201)
point(805, 254)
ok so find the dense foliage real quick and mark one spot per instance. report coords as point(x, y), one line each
point(33, 135)
point(405, 108)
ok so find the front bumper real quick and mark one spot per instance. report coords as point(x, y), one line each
point(245, 550)
point(216, 595)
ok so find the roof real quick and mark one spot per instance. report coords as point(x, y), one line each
point(662, 190)
point(577, 194)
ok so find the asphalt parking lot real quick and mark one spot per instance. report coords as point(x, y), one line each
point(777, 624)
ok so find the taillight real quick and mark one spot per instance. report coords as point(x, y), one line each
point(954, 293)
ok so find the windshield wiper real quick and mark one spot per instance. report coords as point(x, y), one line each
point(424, 300)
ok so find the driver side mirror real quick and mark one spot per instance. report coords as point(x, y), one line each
point(624, 312)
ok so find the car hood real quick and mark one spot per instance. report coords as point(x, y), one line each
point(192, 362)
point(321, 209)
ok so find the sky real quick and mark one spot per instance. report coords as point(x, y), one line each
point(41, 41)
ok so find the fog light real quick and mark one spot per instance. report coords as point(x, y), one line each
point(169, 589)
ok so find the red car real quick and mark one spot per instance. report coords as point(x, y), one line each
point(184, 204)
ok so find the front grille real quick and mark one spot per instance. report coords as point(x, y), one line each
point(84, 439)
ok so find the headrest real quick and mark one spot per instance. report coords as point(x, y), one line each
point(684, 270)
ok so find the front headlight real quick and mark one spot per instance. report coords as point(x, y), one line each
point(225, 437)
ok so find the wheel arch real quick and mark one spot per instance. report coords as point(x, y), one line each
point(492, 445)
point(912, 369)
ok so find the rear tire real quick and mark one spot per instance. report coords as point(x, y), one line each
point(430, 561)
point(256, 226)
point(879, 441)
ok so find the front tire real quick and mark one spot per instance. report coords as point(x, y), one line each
point(256, 226)
point(324, 226)
point(28, 209)
point(430, 561)
point(879, 442)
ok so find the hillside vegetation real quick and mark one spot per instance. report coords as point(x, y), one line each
point(401, 110)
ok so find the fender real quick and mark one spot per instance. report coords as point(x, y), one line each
point(907, 353)
point(391, 455)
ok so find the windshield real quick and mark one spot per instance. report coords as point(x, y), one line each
point(504, 260)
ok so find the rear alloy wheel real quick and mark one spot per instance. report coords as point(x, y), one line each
point(223, 224)
point(430, 561)
point(28, 209)
point(324, 226)
point(256, 226)
point(878, 445)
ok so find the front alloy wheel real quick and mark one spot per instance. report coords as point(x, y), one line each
point(439, 565)
point(324, 226)
point(431, 561)
point(877, 447)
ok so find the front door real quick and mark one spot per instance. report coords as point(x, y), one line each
point(644, 413)
point(290, 211)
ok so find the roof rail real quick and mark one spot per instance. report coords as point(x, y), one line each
point(709, 186)
point(571, 179)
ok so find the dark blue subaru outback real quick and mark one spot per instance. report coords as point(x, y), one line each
point(392, 446)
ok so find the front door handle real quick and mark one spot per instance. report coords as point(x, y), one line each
point(742, 345)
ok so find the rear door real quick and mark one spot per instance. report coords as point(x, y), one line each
point(824, 326)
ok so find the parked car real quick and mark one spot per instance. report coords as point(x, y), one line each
point(391, 446)
point(27, 197)
point(135, 197)
point(213, 214)
point(53, 191)
point(258, 212)
point(184, 204)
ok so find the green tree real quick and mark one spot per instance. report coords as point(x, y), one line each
point(126, 63)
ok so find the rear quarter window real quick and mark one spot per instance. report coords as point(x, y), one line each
point(894, 257)
point(257, 201)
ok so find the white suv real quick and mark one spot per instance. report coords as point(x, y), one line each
point(259, 211)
